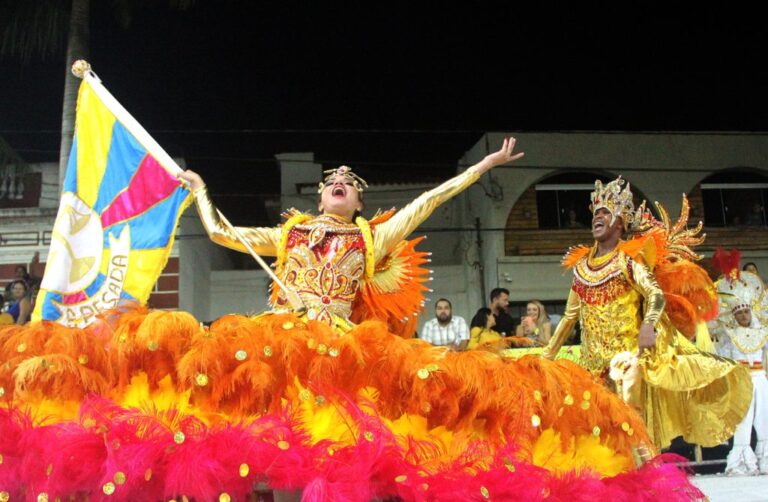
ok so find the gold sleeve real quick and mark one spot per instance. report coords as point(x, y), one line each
point(263, 240)
point(388, 234)
point(654, 296)
point(565, 327)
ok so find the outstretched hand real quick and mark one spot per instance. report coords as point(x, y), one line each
point(505, 155)
point(191, 178)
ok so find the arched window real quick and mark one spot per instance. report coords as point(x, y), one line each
point(558, 204)
point(562, 201)
point(733, 198)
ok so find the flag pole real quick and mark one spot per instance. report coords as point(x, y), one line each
point(292, 296)
point(82, 69)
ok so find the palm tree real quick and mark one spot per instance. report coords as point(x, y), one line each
point(42, 27)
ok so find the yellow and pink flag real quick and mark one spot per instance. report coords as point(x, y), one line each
point(120, 206)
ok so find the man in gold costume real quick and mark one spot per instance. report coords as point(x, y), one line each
point(679, 390)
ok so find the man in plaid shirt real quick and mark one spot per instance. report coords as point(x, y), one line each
point(446, 329)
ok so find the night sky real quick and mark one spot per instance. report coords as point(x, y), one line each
point(397, 91)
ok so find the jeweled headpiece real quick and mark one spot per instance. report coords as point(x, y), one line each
point(616, 200)
point(346, 171)
point(740, 307)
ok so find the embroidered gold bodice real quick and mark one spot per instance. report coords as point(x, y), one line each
point(610, 296)
point(325, 256)
point(324, 264)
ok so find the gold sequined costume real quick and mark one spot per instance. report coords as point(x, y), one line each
point(682, 390)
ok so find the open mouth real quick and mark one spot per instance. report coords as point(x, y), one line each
point(598, 225)
point(338, 191)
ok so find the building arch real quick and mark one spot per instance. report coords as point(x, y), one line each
point(553, 212)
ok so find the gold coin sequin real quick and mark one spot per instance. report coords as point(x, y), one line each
point(21, 348)
point(2, 391)
point(49, 469)
point(630, 432)
point(304, 394)
point(319, 400)
point(585, 405)
point(201, 379)
point(244, 470)
point(596, 431)
point(108, 488)
point(433, 367)
point(152, 346)
point(179, 437)
point(560, 411)
point(568, 400)
point(333, 352)
point(283, 445)
point(42, 497)
point(509, 465)
point(426, 407)
point(288, 325)
point(122, 338)
point(587, 395)
point(624, 426)
point(368, 435)
point(1, 460)
point(268, 351)
point(224, 497)
point(484, 492)
point(322, 349)
point(535, 420)
point(241, 355)
point(119, 478)
point(537, 395)
point(82, 359)
point(311, 343)
point(5, 496)
point(147, 474)
point(401, 478)
point(423, 373)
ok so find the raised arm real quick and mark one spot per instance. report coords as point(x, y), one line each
point(405, 221)
point(565, 327)
point(263, 240)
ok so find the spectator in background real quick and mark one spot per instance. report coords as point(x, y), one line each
point(499, 304)
point(481, 332)
point(445, 329)
point(750, 266)
point(22, 307)
point(19, 274)
point(535, 324)
point(755, 218)
point(573, 220)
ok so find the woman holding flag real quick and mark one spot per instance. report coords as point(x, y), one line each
point(326, 394)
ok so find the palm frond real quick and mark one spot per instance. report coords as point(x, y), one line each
point(125, 10)
point(33, 27)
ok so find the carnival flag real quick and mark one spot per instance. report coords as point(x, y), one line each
point(120, 206)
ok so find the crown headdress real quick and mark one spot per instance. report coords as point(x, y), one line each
point(346, 171)
point(614, 198)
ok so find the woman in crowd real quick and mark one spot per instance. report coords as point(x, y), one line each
point(535, 324)
point(21, 306)
point(481, 332)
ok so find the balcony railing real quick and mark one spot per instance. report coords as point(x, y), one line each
point(21, 190)
point(527, 242)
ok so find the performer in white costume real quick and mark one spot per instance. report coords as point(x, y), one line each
point(742, 332)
